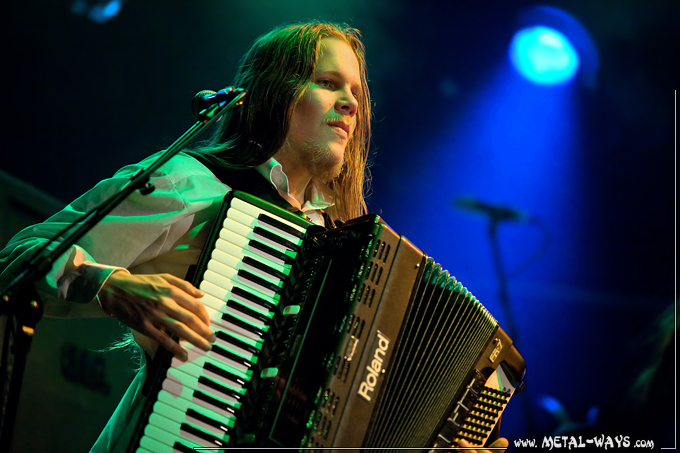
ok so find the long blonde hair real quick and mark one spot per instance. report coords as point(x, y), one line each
point(275, 72)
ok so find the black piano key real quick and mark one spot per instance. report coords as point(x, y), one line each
point(214, 401)
point(220, 388)
point(258, 280)
point(264, 218)
point(224, 373)
point(271, 251)
point(236, 342)
point(230, 355)
point(253, 298)
point(263, 267)
point(242, 324)
point(246, 311)
point(183, 448)
point(205, 436)
point(273, 237)
point(207, 420)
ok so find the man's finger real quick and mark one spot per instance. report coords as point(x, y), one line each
point(498, 443)
point(186, 333)
point(183, 284)
point(192, 304)
point(182, 311)
point(501, 442)
point(166, 342)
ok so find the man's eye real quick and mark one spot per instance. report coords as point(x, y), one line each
point(324, 83)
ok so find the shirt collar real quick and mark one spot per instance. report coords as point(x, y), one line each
point(317, 196)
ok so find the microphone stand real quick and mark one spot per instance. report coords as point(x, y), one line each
point(494, 221)
point(20, 300)
point(511, 330)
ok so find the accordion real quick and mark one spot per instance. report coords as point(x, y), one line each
point(348, 337)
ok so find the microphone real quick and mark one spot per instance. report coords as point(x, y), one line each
point(496, 213)
point(207, 98)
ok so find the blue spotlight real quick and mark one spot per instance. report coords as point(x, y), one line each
point(105, 11)
point(553, 47)
point(544, 56)
point(97, 10)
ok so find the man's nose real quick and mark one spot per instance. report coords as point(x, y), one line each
point(347, 104)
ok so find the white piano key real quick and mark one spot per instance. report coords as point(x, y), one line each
point(173, 431)
point(180, 412)
point(152, 445)
point(221, 306)
point(171, 413)
point(230, 278)
point(208, 300)
point(244, 349)
point(240, 252)
point(254, 211)
point(223, 356)
point(167, 438)
point(233, 379)
point(225, 258)
point(223, 294)
point(179, 383)
point(252, 222)
point(255, 343)
point(184, 405)
point(197, 368)
point(232, 226)
point(235, 349)
point(216, 318)
point(249, 335)
point(231, 229)
point(242, 334)
point(228, 265)
point(240, 241)
point(267, 272)
point(199, 359)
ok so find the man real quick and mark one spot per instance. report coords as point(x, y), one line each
point(300, 140)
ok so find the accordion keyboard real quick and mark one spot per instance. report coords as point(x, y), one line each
point(242, 282)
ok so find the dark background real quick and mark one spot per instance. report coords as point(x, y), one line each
point(594, 165)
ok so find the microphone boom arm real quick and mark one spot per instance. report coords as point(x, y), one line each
point(20, 301)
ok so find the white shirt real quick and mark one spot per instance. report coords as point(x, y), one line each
point(164, 231)
point(318, 196)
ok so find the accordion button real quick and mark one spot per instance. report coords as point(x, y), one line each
point(269, 373)
point(291, 310)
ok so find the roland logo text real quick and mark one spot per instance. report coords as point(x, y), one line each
point(374, 367)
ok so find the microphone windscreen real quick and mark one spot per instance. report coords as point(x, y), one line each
point(198, 104)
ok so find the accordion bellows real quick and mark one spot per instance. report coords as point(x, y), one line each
point(361, 341)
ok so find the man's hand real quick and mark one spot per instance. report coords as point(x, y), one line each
point(149, 303)
point(499, 443)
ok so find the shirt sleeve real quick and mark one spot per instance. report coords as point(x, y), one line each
point(139, 229)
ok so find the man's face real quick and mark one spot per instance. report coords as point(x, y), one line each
point(325, 117)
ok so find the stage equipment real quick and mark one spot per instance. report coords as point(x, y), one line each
point(551, 47)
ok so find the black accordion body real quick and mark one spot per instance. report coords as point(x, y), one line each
point(349, 337)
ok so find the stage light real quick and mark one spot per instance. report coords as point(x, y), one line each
point(552, 47)
point(544, 56)
point(100, 11)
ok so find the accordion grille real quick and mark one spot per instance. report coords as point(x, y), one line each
point(442, 336)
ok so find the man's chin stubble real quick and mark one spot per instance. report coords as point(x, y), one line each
point(322, 164)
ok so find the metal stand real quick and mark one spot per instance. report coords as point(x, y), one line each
point(20, 301)
point(510, 325)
